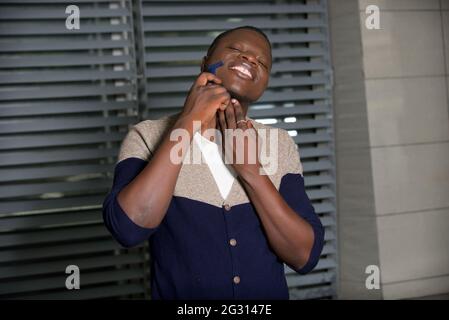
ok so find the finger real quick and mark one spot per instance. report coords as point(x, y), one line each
point(226, 143)
point(222, 126)
point(224, 100)
point(230, 117)
point(205, 77)
point(217, 127)
point(217, 122)
point(218, 90)
point(239, 115)
point(222, 120)
point(251, 143)
point(253, 131)
point(256, 135)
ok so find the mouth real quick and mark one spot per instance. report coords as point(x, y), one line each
point(243, 70)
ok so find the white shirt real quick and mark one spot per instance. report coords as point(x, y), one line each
point(223, 174)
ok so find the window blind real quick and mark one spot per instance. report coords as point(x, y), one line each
point(66, 100)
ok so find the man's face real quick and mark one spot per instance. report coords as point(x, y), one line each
point(246, 66)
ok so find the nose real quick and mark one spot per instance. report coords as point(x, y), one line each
point(249, 58)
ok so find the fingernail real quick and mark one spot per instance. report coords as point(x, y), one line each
point(233, 101)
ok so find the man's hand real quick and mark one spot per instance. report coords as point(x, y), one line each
point(240, 140)
point(205, 98)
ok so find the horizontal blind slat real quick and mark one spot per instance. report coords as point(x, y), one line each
point(62, 139)
point(43, 157)
point(27, 174)
point(201, 10)
point(58, 28)
point(49, 13)
point(27, 205)
point(103, 291)
point(58, 188)
point(51, 236)
point(31, 108)
point(200, 25)
point(177, 41)
point(17, 45)
point(58, 282)
point(44, 268)
point(58, 250)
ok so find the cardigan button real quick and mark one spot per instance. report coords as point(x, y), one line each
point(226, 206)
point(233, 242)
point(236, 279)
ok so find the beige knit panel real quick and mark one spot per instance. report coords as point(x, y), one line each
point(195, 181)
point(143, 138)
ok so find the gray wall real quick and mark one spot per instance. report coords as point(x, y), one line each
point(392, 143)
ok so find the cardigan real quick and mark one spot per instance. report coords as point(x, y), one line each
point(207, 246)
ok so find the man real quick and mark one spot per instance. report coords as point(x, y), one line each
point(215, 231)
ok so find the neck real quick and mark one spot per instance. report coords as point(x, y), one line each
point(213, 123)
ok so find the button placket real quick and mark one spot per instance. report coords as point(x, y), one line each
point(232, 243)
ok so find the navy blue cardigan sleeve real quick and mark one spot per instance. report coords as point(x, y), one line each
point(292, 189)
point(123, 229)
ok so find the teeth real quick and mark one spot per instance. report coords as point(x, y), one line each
point(243, 70)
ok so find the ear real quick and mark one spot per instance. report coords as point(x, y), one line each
point(204, 64)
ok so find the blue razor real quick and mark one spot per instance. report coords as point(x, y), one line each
point(213, 67)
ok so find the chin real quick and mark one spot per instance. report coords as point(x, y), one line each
point(240, 96)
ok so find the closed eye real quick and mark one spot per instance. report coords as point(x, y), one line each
point(260, 62)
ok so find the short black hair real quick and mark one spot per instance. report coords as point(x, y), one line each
point(221, 35)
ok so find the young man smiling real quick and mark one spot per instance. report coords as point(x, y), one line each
point(216, 231)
